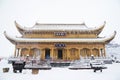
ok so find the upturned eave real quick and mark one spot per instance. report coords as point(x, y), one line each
point(16, 40)
point(23, 30)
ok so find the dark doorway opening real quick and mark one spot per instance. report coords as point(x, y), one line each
point(60, 54)
point(47, 53)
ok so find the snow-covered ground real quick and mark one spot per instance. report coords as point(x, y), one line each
point(113, 50)
point(111, 73)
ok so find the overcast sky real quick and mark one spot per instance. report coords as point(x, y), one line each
point(27, 12)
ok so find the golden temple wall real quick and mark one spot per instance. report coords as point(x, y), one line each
point(67, 35)
point(71, 51)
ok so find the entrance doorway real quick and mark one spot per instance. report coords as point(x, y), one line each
point(47, 53)
point(60, 54)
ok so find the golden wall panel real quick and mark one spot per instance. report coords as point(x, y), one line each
point(72, 51)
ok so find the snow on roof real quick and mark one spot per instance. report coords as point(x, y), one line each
point(20, 39)
point(59, 27)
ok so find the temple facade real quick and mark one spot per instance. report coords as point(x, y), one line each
point(59, 41)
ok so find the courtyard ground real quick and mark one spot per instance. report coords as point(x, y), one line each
point(111, 73)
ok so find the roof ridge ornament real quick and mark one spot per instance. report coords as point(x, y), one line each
point(37, 23)
point(104, 23)
point(83, 23)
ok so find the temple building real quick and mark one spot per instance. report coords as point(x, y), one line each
point(59, 41)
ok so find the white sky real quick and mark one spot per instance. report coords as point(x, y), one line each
point(27, 12)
